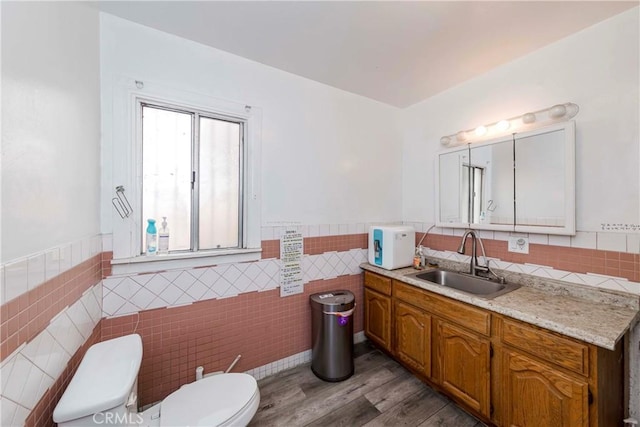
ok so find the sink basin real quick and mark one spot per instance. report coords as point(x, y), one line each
point(478, 286)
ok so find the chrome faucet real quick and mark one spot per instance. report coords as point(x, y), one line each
point(475, 267)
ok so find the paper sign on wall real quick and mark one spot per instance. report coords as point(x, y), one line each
point(291, 251)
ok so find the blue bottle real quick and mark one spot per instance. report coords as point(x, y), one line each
point(152, 237)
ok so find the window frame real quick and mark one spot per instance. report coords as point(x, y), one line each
point(196, 114)
point(123, 152)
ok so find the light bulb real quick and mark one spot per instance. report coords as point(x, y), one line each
point(572, 110)
point(557, 111)
point(528, 118)
point(503, 125)
point(461, 136)
point(445, 140)
point(481, 130)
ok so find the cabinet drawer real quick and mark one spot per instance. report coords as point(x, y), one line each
point(553, 348)
point(378, 283)
point(474, 319)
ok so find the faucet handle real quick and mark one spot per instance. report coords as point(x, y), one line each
point(501, 279)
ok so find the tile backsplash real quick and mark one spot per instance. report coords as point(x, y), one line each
point(599, 240)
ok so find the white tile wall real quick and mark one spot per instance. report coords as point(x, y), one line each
point(607, 241)
point(52, 263)
point(65, 258)
point(539, 239)
point(66, 332)
point(23, 274)
point(35, 266)
point(584, 239)
point(633, 243)
point(129, 294)
point(34, 367)
point(11, 413)
point(612, 242)
point(47, 354)
point(76, 253)
point(560, 240)
point(15, 279)
point(3, 290)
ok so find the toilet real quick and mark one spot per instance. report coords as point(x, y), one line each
point(104, 392)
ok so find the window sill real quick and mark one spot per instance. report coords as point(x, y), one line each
point(155, 263)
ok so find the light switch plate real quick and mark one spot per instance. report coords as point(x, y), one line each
point(519, 245)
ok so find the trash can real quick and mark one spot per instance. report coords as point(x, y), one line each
point(332, 334)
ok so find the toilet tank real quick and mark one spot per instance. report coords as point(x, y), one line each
point(104, 388)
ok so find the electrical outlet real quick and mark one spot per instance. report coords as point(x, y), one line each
point(519, 245)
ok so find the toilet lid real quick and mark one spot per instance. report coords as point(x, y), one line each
point(208, 402)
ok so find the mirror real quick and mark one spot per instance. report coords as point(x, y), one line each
point(452, 195)
point(545, 179)
point(521, 182)
point(491, 198)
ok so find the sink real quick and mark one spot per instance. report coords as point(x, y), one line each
point(474, 285)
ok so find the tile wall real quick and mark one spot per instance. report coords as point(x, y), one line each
point(262, 327)
point(132, 293)
point(207, 316)
point(51, 308)
point(42, 413)
point(588, 259)
point(19, 276)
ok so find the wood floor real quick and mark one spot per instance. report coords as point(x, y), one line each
point(380, 393)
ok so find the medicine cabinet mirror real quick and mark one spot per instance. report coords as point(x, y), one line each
point(522, 182)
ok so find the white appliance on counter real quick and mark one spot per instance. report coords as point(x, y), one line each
point(391, 247)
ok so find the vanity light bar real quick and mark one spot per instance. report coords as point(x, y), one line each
point(555, 113)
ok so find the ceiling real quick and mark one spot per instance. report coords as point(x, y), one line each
point(396, 52)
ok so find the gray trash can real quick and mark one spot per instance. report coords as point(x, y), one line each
point(332, 334)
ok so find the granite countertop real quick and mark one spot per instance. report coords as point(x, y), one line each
point(591, 315)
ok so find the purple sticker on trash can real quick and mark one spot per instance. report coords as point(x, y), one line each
point(343, 320)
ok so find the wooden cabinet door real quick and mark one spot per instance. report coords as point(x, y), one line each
point(413, 337)
point(377, 318)
point(537, 395)
point(464, 366)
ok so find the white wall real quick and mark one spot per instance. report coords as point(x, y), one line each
point(328, 156)
point(50, 125)
point(596, 68)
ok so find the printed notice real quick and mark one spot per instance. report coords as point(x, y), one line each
point(620, 227)
point(291, 251)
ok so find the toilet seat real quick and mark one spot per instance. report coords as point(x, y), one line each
point(213, 401)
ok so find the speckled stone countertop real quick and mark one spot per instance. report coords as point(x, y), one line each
point(594, 316)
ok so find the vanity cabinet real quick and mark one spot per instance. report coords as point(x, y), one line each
point(463, 367)
point(377, 310)
point(537, 394)
point(548, 379)
point(413, 337)
point(505, 371)
point(459, 347)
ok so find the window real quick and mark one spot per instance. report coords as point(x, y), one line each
point(193, 174)
point(158, 140)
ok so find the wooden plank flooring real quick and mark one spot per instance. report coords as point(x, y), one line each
point(380, 393)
